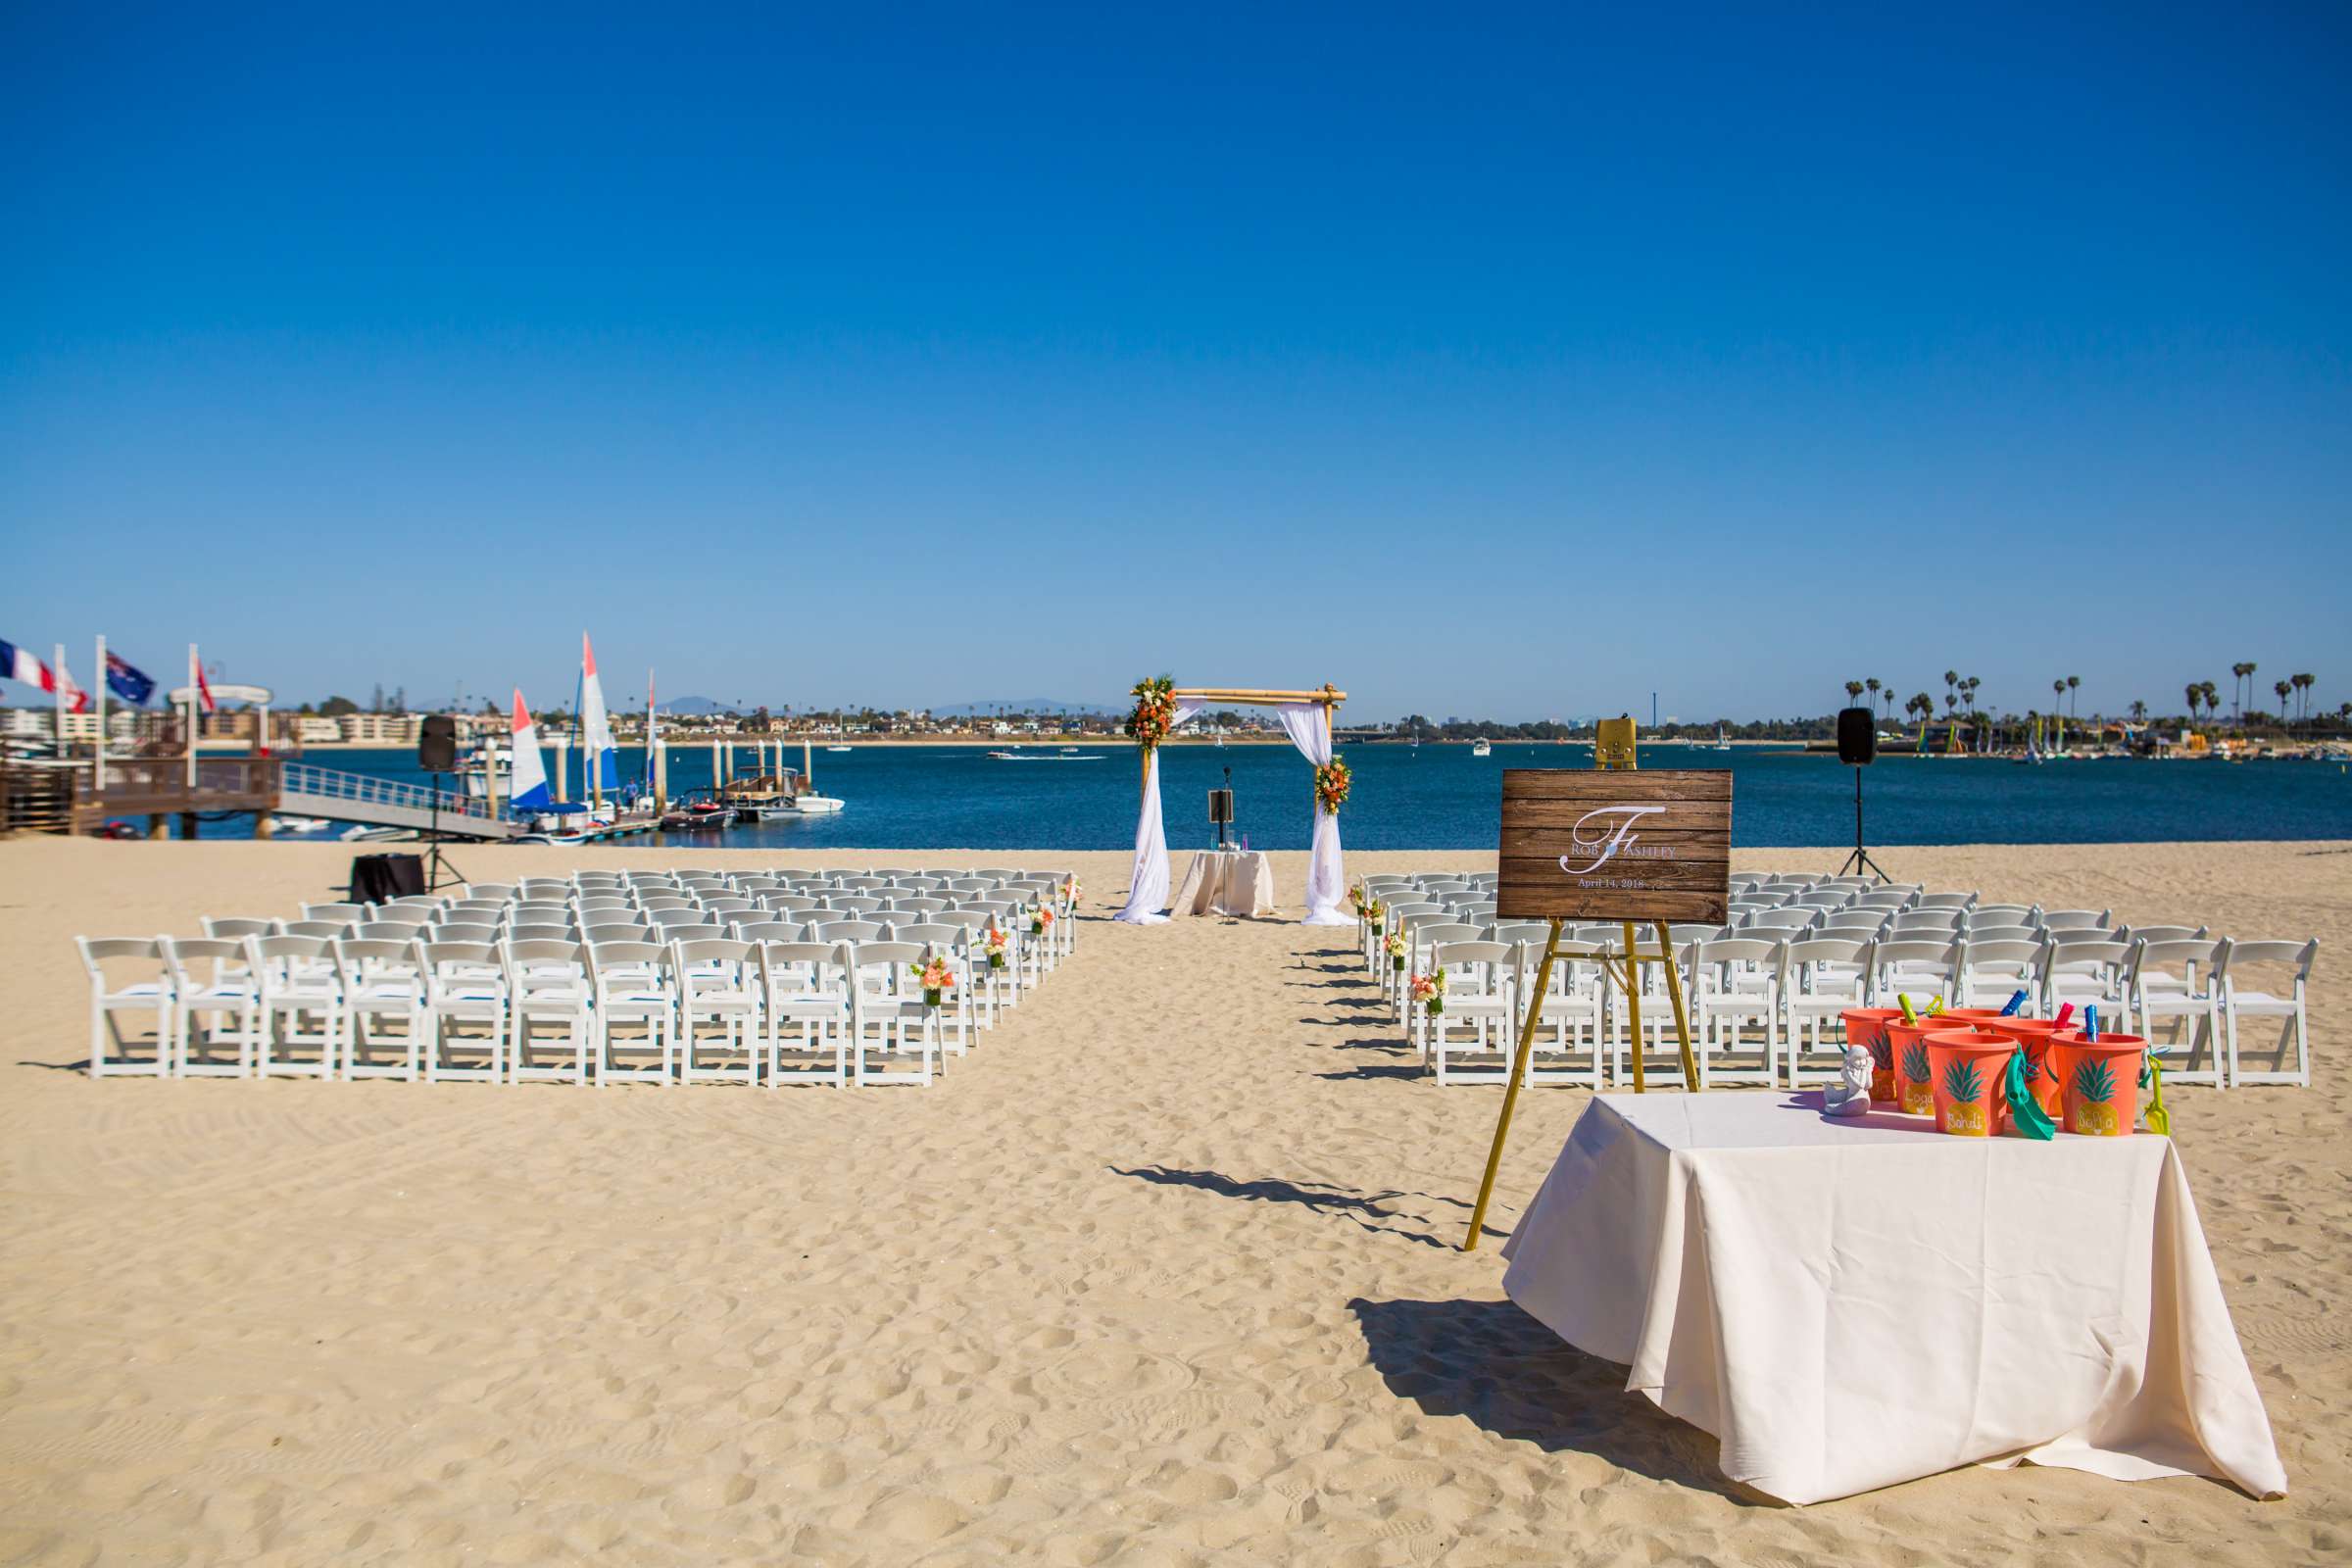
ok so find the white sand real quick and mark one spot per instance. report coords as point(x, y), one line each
point(1164, 1273)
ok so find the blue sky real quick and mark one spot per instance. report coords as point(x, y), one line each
point(1513, 364)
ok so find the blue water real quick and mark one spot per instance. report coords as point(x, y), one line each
point(1440, 797)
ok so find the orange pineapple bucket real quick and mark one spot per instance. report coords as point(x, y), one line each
point(1867, 1027)
point(1970, 1081)
point(2099, 1080)
point(2035, 1035)
point(1912, 1073)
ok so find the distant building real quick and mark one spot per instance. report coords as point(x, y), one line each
point(381, 730)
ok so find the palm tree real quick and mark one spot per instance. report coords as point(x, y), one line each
point(2058, 711)
point(2282, 688)
point(2213, 698)
point(2238, 673)
point(1853, 691)
point(2073, 684)
point(1968, 691)
point(2139, 712)
point(1873, 684)
point(2194, 691)
point(2303, 686)
point(1925, 706)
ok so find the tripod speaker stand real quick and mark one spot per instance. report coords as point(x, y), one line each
point(1858, 745)
point(437, 753)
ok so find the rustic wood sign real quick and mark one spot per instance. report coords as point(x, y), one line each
point(1593, 844)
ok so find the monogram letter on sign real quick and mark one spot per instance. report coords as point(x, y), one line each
point(1594, 845)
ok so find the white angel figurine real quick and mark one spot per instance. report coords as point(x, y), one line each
point(1849, 1095)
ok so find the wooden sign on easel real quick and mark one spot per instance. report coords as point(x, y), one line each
point(1582, 844)
point(1610, 844)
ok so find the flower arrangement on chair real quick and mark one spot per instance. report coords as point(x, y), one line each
point(1041, 919)
point(1069, 891)
point(1395, 946)
point(935, 978)
point(991, 945)
point(1429, 990)
point(1155, 711)
point(1332, 783)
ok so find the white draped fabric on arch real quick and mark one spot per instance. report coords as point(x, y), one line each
point(1307, 718)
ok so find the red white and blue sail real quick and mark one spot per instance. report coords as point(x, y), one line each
point(527, 778)
point(600, 758)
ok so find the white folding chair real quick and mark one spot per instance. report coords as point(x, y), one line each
point(301, 1005)
point(1480, 986)
point(1736, 981)
point(548, 983)
point(148, 990)
point(2289, 1004)
point(635, 1012)
point(805, 985)
point(883, 1006)
point(381, 983)
point(216, 1008)
point(717, 984)
point(465, 1011)
point(2179, 981)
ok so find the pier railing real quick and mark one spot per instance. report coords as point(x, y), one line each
point(366, 789)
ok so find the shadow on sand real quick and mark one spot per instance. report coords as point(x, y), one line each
point(1508, 1374)
point(1363, 1210)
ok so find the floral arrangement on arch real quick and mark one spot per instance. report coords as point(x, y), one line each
point(1429, 992)
point(1332, 782)
point(935, 978)
point(1155, 711)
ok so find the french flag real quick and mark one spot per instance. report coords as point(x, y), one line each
point(17, 663)
point(527, 778)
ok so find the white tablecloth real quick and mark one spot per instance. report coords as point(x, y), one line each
point(1226, 882)
point(1847, 1304)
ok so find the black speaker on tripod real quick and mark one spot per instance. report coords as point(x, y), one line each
point(1858, 748)
point(437, 753)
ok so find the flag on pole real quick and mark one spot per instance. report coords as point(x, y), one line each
point(596, 725)
point(526, 782)
point(17, 663)
point(76, 700)
point(196, 682)
point(128, 682)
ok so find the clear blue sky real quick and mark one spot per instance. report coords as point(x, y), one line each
point(1510, 366)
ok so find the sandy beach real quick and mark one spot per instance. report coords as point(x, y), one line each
point(1164, 1273)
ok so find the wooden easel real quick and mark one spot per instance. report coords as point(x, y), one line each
point(1613, 748)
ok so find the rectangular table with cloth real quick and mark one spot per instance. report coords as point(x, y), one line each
point(1851, 1304)
point(1226, 882)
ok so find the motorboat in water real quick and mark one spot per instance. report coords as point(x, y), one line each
point(1483, 749)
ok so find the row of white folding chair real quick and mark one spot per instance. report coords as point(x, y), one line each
point(1800, 987)
point(307, 1007)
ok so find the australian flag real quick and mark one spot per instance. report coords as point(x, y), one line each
point(127, 681)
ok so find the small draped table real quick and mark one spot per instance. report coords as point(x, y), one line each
point(1226, 882)
point(1851, 1304)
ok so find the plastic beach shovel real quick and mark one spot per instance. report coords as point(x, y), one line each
point(2024, 1110)
point(2157, 1119)
point(2009, 1009)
